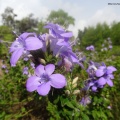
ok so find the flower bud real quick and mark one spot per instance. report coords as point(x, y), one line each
point(75, 80)
point(76, 92)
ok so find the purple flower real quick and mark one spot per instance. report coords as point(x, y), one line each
point(25, 71)
point(26, 59)
point(105, 75)
point(92, 68)
point(85, 100)
point(25, 42)
point(44, 79)
point(91, 48)
point(92, 84)
point(99, 76)
point(32, 65)
point(60, 46)
point(58, 31)
point(68, 57)
point(63, 50)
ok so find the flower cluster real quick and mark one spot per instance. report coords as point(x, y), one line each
point(99, 75)
point(50, 52)
point(57, 44)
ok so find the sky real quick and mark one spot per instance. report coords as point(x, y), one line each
point(85, 12)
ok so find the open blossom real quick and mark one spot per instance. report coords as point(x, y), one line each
point(44, 79)
point(63, 50)
point(24, 43)
point(99, 76)
point(60, 46)
point(105, 75)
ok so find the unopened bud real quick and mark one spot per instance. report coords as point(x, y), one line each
point(76, 92)
point(42, 61)
point(67, 92)
point(74, 85)
point(75, 80)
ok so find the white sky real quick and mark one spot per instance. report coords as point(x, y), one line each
point(85, 12)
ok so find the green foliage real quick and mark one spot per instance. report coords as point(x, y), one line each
point(5, 34)
point(115, 33)
point(115, 94)
point(41, 29)
point(27, 24)
point(97, 35)
point(94, 35)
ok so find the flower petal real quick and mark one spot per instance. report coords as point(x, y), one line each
point(15, 56)
point(74, 59)
point(25, 35)
point(49, 69)
point(68, 34)
point(14, 46)
point(40, 70)
point(33, 43)
point(32, 83)
point(58, 81)
point(99, 72)
point(102, 81)
point(44, 89)
point(94, 88)
point(110, 69)
point(111, 76)
point(49, 25)
point(62, 42)
point(109, 82)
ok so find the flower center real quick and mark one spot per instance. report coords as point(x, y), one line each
point(44, 78)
